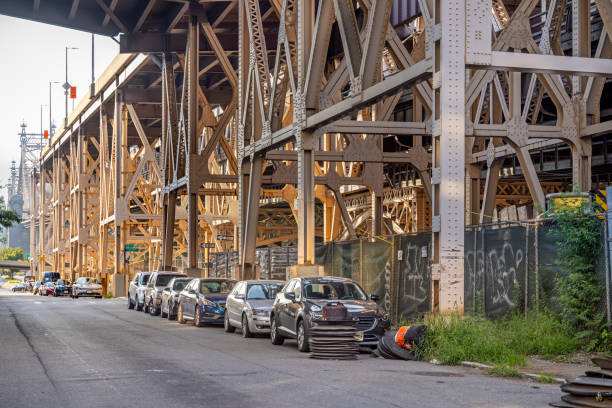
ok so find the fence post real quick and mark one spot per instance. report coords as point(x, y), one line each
point(484, 273)
point(475, 261)
point(608, 246)
point(526, 268)
point(360, 261)
point(537, 263)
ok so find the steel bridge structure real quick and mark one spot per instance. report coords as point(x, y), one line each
point(236, 124)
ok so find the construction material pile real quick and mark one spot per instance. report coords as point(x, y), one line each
point(594, 389)
point(402, 344)
point(333, 338)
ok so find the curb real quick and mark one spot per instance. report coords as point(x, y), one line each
point(524, 375)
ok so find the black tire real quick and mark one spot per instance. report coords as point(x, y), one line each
point(227, 326)
point(196, 318)
point(302, 337)
point(138, 305)
point(153, 311)
point(275, 337)
point(130, 304)
point(161, 313)
point(179, 315)
point(170, 315)
point(246, 333)
point(145, 307)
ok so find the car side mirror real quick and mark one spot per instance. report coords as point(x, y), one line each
point(374, 297)
point(192, 292)
point(290, 296)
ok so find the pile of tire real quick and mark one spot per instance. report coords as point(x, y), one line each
point(594, 389)
point(402, 344)
point(333, 342)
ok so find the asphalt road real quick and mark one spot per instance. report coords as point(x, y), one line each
point(60, 352)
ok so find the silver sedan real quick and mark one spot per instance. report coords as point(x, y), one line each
point(248, 306)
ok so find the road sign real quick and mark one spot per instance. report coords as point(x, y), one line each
point(225, 237)
point(208, 245)
point(131, 250)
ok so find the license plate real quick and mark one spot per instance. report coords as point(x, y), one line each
point(358, 336)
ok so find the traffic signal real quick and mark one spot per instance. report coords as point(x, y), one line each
point(73, 92)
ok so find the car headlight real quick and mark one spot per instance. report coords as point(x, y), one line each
point(259, 312)
point(206, 302)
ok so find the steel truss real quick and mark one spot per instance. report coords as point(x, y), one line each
point(272, 122)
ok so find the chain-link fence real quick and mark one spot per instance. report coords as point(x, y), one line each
point(507, 266)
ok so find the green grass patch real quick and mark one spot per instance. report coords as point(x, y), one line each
point(545, 378)
point(505, 342)
point(502, 370)
point(109, 296)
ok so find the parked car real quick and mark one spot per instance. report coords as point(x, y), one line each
point(248, 306)
point(203, 301)
point(29, 286)
point(50, 277)
point(153, 292)
point(36, 287)
point(86, 287)
point(170, 295)
point(48, 288)
point(20, 287)
point(301, 302)
point(136, 290)
point(63, 287)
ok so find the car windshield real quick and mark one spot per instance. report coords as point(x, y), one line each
point(213, 286)
point(333, 290)
point(179, 284)
point(87, 281)
point(162, 280)
point(262, 291)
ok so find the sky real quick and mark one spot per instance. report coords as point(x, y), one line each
point(32, 54)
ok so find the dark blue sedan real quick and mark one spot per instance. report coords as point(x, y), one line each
point(63, 287)
point(203, 301)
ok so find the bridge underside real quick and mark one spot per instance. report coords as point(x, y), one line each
point(237, 124)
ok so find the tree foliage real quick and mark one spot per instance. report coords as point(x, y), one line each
point(579, 289)
point(11, 254)
point(7, 217)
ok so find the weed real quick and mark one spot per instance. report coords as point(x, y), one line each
point(501, 370)
point(545, 378)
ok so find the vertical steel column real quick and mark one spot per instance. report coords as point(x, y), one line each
point(192, 66)
point(251, 216)
point(305, 140)
point(118, 138)
point(449, 156)
point(608, 248)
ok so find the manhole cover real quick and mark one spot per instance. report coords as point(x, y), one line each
point(437, 374)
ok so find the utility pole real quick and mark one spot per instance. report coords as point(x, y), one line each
point(50, 121)
point(92, 88)
point(41, 125)
point(67, 85)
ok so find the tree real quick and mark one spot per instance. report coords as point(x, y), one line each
point(7, 217)
point(11, 254)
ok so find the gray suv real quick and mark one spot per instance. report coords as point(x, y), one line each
point(153, 292)
point(137, 289)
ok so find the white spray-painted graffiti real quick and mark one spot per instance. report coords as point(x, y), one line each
point(387, 301)
point(501, 266)
point(414, 272)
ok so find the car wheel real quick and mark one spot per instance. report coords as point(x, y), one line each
point(161, 313)
point(130, 304)
point(146, 307)
point(302, 337)
point(152, 310)
point(246, 333)
point(138, 305)
point(179, 316)
point(227, 326)
point(275, 337)
point(171, 316)
point(196, 318)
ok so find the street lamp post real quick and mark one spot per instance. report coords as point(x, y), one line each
point(41, 125)
point(50, 122)
point(67, 85)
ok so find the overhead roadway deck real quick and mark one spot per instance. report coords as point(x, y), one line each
point(344, 115)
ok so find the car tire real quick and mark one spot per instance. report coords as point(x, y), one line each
point(170, 315)
point(179, 315)
point(227, 326)
point(275, 337)
point(196, 318)
point(139, 306)
point(130, 304)
point(246, 333)
point(302, 337)
point(152, 309)
point(145, 308)
point(162, 314)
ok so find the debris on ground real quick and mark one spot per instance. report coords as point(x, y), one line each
point(402, 344)
point(594, 389)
